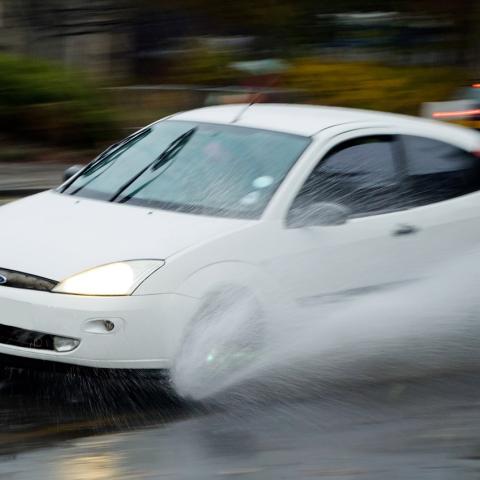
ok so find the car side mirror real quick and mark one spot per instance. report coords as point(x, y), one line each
point(320, 214)
point(71, 171)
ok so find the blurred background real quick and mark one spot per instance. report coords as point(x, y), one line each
point(76, 75)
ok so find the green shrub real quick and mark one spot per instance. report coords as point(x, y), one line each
point(43, 101)
point(371, 86)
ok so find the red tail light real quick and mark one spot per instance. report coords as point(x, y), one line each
point(459, 113)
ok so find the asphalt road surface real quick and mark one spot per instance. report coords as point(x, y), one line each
point(56, 428)
point(15, 177)
point(30, 175)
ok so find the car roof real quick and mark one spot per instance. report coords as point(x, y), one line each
point(308, 120)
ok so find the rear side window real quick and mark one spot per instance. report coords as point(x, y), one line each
point(360, 174)
point(438, 171)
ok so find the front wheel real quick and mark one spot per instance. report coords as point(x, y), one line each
point(222, 344)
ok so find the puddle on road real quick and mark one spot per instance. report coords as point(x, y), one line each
point(429, 326)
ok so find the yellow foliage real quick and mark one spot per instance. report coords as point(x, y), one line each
point(371, 86)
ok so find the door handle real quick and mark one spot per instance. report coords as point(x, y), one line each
point(404, 229)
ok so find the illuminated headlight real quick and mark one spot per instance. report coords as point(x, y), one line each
point(121, 278)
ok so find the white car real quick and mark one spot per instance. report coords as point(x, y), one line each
point(294, 205)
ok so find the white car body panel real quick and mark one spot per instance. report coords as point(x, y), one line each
point(66, 226)
point(55, 236)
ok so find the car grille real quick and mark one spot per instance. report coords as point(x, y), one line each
point(14, 279)
point(19, 337)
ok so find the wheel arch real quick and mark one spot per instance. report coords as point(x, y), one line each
point(225, 276)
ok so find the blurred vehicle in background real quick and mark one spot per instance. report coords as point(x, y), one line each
point(463, 109)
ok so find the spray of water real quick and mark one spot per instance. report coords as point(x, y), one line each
point(430, 325)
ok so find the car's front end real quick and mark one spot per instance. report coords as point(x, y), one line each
point(95, 284)
point(79, 282)
point(115, 332)
point(89, 273)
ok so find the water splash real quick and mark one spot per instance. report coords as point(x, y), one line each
point(430, 325)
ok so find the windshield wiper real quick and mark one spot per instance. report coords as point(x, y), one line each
point(173, 149)
point(113, 151)
point(166, 156)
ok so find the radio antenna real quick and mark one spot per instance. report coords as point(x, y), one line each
point(247, 106)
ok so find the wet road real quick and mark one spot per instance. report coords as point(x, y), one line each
point(424, 429)
point(30, 175)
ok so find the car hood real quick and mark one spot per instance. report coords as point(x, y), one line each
point(55, 236)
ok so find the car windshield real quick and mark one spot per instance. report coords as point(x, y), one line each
point(219, 170)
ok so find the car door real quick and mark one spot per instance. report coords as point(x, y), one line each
point(441, 202)
point(330, 263)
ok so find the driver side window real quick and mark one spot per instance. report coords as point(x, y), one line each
point(359, 174)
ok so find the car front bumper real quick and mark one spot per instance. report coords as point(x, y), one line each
point(147, 331)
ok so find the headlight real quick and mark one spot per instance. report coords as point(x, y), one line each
point(121, 278)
